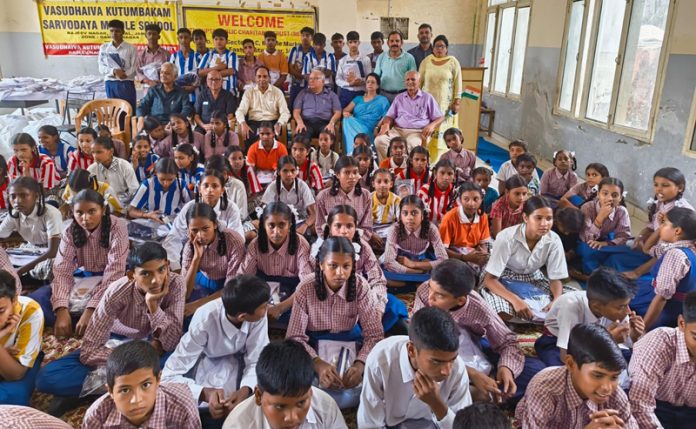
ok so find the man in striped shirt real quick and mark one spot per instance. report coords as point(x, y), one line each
point(663, 374)
point(21, 326)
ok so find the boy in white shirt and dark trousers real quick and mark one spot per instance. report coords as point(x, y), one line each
point(605, 303)
point(284, 396)
point(352, 71)
point(217, 357)
point(415, 382)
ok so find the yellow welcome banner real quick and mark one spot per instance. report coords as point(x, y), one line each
point(79, 28)
point(243, 24)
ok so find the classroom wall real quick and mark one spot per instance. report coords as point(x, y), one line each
point(633, 161)
point(20, 39)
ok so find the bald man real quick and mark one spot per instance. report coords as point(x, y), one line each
point(414, 115)
point(164, 98)
point(316, 107)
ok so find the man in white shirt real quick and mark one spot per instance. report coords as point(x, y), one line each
point(284, 396)
point(117, 62)
point(415, 382)
point(217, 357)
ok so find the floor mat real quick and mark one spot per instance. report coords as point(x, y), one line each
point(491, 154)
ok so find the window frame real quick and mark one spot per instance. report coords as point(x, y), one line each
point(493, 66)
point(647, 135)
point(690, 130)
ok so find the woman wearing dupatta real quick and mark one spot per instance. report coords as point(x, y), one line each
point(441, 76)
point(364, 113)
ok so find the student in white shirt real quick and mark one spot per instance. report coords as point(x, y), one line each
point(211, 190)
point(36, 222)
point(236, 191)
point(606, 302)
point(117, 172)
point(352, 71)
point(419, 380)
point(284, 396)
point(117, 62)
point(217, 357)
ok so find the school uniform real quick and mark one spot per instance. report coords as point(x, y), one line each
point(458, 232)
point(262, 159)
point(664, 208)
point(388, 397)
point(387, 213)
point(361, 203)
point(507, 170)
point(212, 58)
point(325, 162)
point(174, 408)
point(418, 179)
point(580, 193)
point(185, 64)
point(253, 186)
point(335, 318)
point(237, 194)
point(214, 269)
point(104, 190)
point(508, 216)
point(326, 61)
point(298, 196)
point(42, 169)
point(115, 86)
point(146, 167)
point(3, 194)
point(119, 175)
point(360, 66)
point(26, 337)
point(554, 184)
point(162, 147)
point(412, 246)
point(615, 229)
point(60, 159)
point(672, 277)
point(216, 353)
point(109, 263)
point(663, 392)
point(199, 56)
point(296, 57)
point(191, 179)
point(152, 197)
point(122, 312)
point(174, 242)
point(533, 185)
point(395, 168)
point(36, 230)
point(78, 159)
point(570, 309)
point(21, 417)
point(440, 202)
point(323, 414)
point(519, 269)
point(551, 401)
point(276, 62)
point(207, 150)
point(464, 163)
point(311, 174)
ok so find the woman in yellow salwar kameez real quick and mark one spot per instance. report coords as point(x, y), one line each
point(441, 76)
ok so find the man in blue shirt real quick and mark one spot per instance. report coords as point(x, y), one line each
point(393, 65)
point(164, 99)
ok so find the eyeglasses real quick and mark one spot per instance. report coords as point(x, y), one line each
point(316, 78)
point(213, 79)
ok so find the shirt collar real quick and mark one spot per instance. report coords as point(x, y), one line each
point(559, 175)
point(682, 356)
point(277, 52)
point(342, 292)
point(419, 94)
point(463, 218)
point(283, 249)
point(229, 328)
point(275, 145)
point(95, 233)
point(32, 215)
point(393, 165)
point(407, 373)
point(611, 215)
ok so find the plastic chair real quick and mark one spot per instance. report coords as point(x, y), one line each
point(73, 101)
point(111, 112)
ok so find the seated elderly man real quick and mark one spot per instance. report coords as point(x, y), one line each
point(164, 98)
point(316, 107)
point(414, 115)
point(262, 102)
point(211, 98)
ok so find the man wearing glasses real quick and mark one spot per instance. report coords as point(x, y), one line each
point(213, 97)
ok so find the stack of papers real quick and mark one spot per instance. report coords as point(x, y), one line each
point(48, 88)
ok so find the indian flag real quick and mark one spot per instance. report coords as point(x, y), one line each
point(471, 93)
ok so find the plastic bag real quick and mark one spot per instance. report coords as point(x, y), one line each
point(340, 354)
point(471, 353)
point(188, 79)
point(151, 71)
point(95, 383)
point(82, 292)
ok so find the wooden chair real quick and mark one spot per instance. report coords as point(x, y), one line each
point(110, 112)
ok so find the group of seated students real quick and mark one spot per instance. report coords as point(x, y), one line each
point(191, 347)
point(267, 236)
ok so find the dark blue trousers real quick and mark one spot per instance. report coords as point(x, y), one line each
point(124, 90)
point(19, 392)
point(531, 367)
point(673, 417)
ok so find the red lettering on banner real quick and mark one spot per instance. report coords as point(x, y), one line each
point(251, 21)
